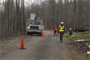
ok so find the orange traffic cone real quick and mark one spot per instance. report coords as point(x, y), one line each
point(52, 31)
point(22, 43)
point(42, 34)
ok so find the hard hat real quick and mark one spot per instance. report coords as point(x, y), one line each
point(62, 22)
point(70, 28)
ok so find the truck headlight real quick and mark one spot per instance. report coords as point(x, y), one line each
point(28, 27)
point(39, 27)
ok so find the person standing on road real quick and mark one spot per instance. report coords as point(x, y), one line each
point(70, 31)
point(55, 31)
point(61, 30)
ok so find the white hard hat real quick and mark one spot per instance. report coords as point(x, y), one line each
point(70, 28)
point(62, 22)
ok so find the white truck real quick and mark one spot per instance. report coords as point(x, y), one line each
point(34, 26)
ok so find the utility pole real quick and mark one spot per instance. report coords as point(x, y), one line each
point(74, 12)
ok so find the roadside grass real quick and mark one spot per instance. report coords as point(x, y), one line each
point(79, 37)
point(73, 39)
point(14, 35)
point(86, 56)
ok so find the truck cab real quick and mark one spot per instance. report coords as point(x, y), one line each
point(34, 27)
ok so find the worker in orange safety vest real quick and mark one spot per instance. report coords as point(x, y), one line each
point(55, 31)
point(61, 30)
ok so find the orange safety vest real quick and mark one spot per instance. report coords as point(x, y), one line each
point(55, 29)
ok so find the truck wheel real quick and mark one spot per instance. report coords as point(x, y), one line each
point(31, 34)
point(40, 34)
point(27, 33)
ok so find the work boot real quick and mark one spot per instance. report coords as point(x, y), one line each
point(61, 41)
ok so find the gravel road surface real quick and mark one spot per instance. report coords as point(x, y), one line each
point(39, 48)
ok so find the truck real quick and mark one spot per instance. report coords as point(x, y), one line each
point(34, 26)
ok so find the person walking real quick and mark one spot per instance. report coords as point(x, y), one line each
point(61, 30)
point(55, 31)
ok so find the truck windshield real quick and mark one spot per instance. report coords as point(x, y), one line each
point(33, 22)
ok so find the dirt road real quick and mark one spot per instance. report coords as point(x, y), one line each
point(39, 48)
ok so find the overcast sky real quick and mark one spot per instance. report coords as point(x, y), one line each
point(32, 1)
point(29, 0)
